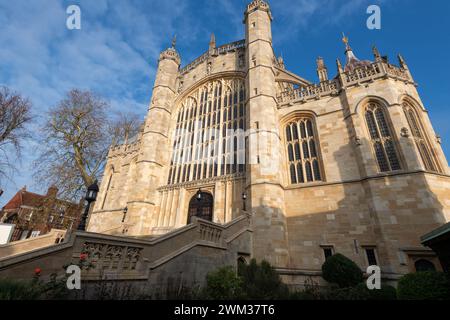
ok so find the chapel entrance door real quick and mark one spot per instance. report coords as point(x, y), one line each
point(201, 206)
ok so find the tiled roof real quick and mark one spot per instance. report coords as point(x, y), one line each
point(24, 198)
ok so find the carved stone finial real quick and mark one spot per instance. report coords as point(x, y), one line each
point(174, 41)
point(339, 66)
point(438, 139)
point(401, 61)
point(212, 42)
point(322, 71)
point(346, 42)
point(376, 53)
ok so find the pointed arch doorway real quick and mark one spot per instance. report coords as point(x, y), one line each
point(201, 206)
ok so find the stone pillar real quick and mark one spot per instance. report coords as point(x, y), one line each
point(265, 193)
point(154, 155)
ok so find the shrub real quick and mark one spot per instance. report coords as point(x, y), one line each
point(54, 289)
point(223, 284)
point(18, 290)
point(261, 281)
point(428, 285)
point(385, 293)
point(342, 271)
point(361, 292)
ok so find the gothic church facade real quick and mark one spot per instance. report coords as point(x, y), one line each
point(350, 164)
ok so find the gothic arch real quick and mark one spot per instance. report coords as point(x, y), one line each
point(302, 154)
point(204, 137)
point(360, 106)
point(381, 135)
point(411, 100)
point(420, 134)
point(226, 75)
point(202, 208)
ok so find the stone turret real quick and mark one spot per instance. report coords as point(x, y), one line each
point(263, 172)
point(154, 156)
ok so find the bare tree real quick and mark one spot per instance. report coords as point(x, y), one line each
point(124, 126)
point(15, 113)
point(77, 137)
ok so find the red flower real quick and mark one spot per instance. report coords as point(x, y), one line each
point(37, 271)
point(83, 256)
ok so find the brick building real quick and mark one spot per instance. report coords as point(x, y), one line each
point(34, 214)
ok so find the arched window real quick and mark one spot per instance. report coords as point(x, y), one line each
point(422, 265)
point(381, 138)
point(303, 161)
point(419, 137)
point(210, 146)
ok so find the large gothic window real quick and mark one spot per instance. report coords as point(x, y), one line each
point(209, 138)
point(303, 159)
point(381, 138)
point(419, 137)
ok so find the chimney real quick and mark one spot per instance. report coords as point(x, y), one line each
point(52, 191)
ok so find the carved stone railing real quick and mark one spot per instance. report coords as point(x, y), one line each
point(363, 74)
point(310, 92)
point(53, 237)
point(214, 52)
point(210, 233)
point(122, 258)
point(112, 257)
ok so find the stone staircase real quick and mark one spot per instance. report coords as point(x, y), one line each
point(187, 253)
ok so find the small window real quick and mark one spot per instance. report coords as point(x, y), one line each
point(371, 256)
point(328, 252)
point(424, 265)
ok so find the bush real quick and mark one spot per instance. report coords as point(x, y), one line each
point(223, 284)
point(429, 285)
point(342, 271)
point(34, 289)
point(385, 293)
point(361, 292)
point(18, 290)
point(260, 281)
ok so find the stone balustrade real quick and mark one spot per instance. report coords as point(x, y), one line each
point(363, 74)
point(53, 237)
point(121, 258)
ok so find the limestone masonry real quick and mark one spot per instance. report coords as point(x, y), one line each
point(350, 164)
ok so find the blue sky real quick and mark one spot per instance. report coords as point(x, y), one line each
point(115, 52)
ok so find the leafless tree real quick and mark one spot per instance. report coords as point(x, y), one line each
point(15, 113)
point(76, 138)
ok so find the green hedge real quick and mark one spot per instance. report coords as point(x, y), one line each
point(254, 281)
point(342, 271)
point(223, 284)
point(428, 285)
point(261, 281)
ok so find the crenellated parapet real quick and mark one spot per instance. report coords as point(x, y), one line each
point(258, 5)
point(124, 150)
point(170, 54)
